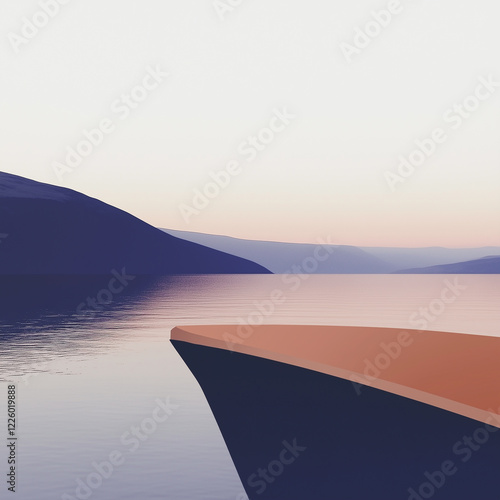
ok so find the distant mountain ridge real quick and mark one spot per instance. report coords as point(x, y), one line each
point(406, 258)
point(47, 229)
point(281, 258)
point(485, 265)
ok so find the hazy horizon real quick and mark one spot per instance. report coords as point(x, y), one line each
point(180, 91)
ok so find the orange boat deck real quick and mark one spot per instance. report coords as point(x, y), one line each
point(456, 372)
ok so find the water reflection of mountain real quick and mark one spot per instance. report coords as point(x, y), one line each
point(29, 304)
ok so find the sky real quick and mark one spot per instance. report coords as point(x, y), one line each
point(370, 123)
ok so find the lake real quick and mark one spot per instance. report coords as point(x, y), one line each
point(95, 385)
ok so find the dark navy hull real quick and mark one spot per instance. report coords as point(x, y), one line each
point(344, 446)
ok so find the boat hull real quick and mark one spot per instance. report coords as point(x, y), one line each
point(346, 444)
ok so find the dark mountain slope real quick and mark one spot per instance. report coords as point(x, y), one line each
point(51, 230)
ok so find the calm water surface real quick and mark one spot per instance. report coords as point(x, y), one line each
point(83, 382)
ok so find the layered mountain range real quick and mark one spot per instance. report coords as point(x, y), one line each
point(296, 258)
point(50, 230)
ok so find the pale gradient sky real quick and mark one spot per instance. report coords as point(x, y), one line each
point(324, 174)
